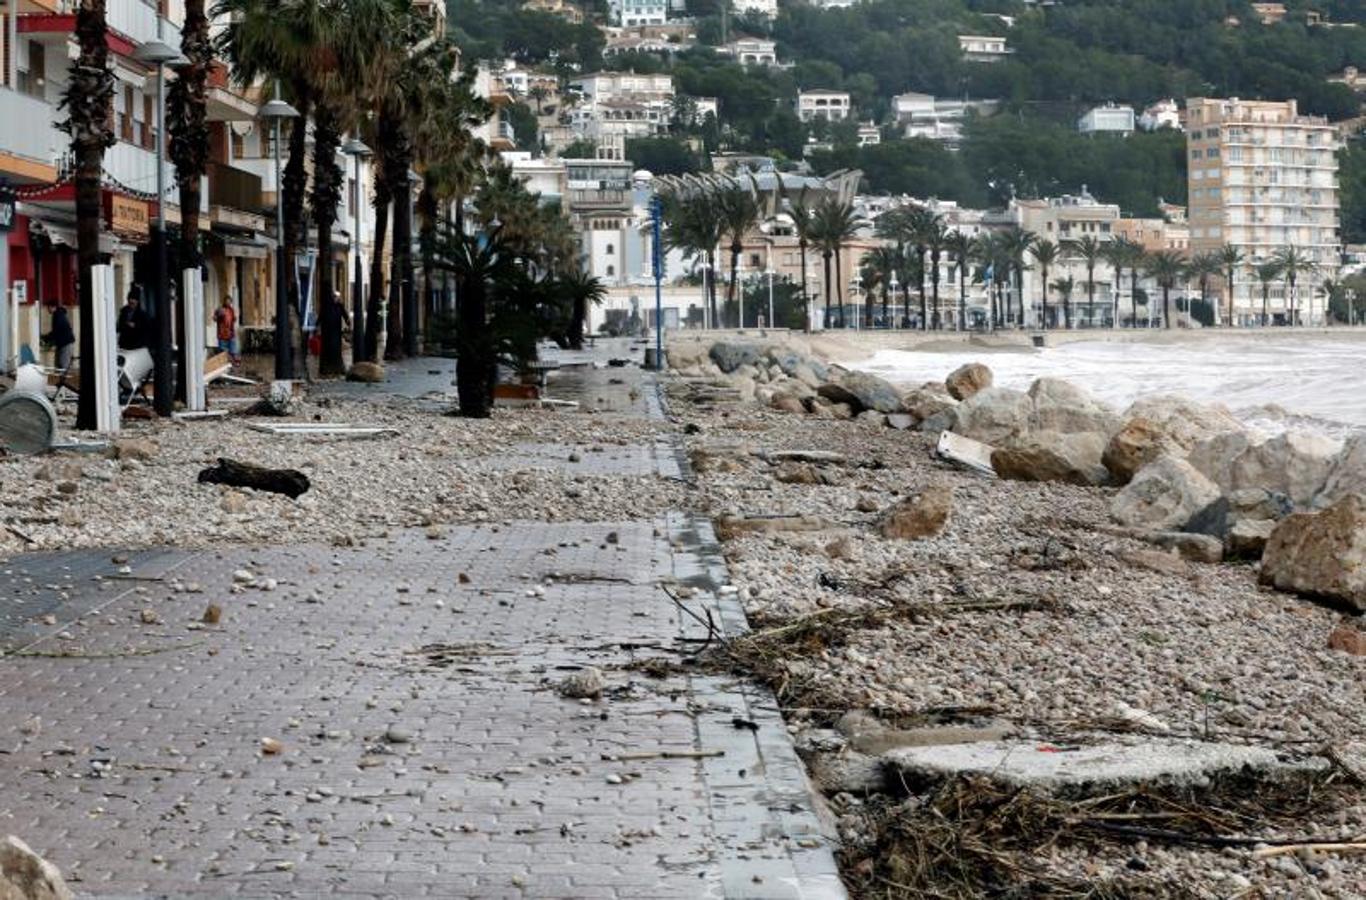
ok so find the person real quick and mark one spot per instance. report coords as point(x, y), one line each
point(134, 328)
point(344, 314)
point(226, 319)
point(62, 338)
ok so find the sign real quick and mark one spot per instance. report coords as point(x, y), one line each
point(7, 204)
point(128, 217)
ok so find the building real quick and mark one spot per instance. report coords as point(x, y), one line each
point(495, 131)
point(638, 12)
point(983, 48)
point(1109, 119)
point(1162, 114)
point(833, 106)
point(1351, 77)
point(1269, 13)
point(767, 9)
point(751, 51)
point(935, 118)
point(541, 175)
point(869, 134)
point(597, 87)
point(1063, 220)
point(562, 8)
point(1263, 178)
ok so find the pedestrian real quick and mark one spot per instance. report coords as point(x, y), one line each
point(226, 319)
point(343, 314)
point(134, 326)
point(62, 338)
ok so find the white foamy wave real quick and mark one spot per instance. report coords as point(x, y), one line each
point(1291, 383)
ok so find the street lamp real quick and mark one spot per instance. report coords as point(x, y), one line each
point(1351, 306)
point(893, 284)
point(355, 149)
point(739, 286)
point(707, 323)
point(855, 291)
point(158, 54)
point(276, 111)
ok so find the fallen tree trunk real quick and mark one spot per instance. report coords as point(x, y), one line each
point(289, 482)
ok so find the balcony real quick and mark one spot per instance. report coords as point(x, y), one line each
point(234, 187)
point(27, 151)
point(137, 21)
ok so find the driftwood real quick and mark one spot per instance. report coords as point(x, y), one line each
point(289, 482)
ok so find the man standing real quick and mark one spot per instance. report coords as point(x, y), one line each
point(61, 337)
point(227, 329)
point(134, 326)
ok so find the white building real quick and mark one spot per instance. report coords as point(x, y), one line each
point(541, 175)
point(935, 118)
point(596, 87)
point(768, 9)
point(983, 48)
point(1162, 114)
point(833, 106)
point(1110, 119)
point(869, 134)
point(638, 12)
point(1063, 220)
point(751, 51)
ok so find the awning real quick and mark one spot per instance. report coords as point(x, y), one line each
point(245, 249)
point(57, 234)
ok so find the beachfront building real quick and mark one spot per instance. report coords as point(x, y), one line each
point(832, 106)
point(1263, 178)
point(1063, 220)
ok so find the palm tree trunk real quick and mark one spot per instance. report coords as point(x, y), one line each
point(884, 305)
point(1230, 296)
point(711, 287)
point(934, 286)
point(1266, 304)
point(839, 281)
point(189, 148)
point(825, 255)
point(806, 300)
point(327, 180)
point(962, 298)
point(1133, 292)
point(1043, 303)
point(89, 100)
point(924, 304)
point(1166, 307)
point(472, 375)
point(295, 189)
point(427, 215)
point(736, 248)
point(373, 314)
point(403, 258)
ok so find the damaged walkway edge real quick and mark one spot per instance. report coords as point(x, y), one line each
point(758, 791)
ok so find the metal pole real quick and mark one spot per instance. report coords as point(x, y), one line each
point(771, 323)
point(659, 296)
point(284, 367)
point(357, 303)
point(162, 383)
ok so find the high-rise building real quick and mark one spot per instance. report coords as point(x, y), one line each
point(1263, 178)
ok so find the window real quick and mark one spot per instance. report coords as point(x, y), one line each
point(611, 270)
point(610, 250)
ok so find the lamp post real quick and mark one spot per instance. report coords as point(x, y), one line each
point(1351, 306)
point(856, 290)
point(276, 111)
point(158, 54)
point(893, 284)
point(740, 292)
point(357, 151)
point(707, 323)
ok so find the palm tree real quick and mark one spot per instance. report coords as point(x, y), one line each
point(1065, 287)
point(1116, 254)
point(579, 290)
point(914, 228)
point(803, 221)
point(1091, 251)
point(1294, 263)
point(879, 271)
point(738, 208)
point(538, 93)
point(1015, 244)
point(89, 102)
point(935, 237)
point(836, 223)
point(1046, 254)
point(187, 124)
point(1230, 257)
point(1202, 268)
point(989, 250)
point(1266, 273)
point(691, 224)
point(1166, 267)
point(960, 246)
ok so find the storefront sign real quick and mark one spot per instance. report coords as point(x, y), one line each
point(6, 210)
point(127, 216)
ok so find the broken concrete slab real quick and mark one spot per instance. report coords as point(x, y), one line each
point(1109, 765)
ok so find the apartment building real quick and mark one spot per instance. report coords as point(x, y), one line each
point(1109, 119)
point(935, 118)
point(638, 12)
point(834, 106)
point(983, 48)
point(767, 9)
point(1061, 220)
point(1263, 178)
point(751, 51)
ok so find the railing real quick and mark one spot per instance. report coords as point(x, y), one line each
point(237, 188)
point(137, 20)
point(29, 132)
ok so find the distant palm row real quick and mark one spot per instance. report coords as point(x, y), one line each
point(703, 214)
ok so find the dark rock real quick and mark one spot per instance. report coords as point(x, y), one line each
point(731, 355)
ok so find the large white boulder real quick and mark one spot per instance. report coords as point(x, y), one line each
point(1295, 463)
point(1321, 554)
point(1163, 496)
point(1183, 420)
point(993, 415)
point(1049, 456)
point(1348, 475)
point(1063, 407)
point(967, 380)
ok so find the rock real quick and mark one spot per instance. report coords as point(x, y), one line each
point(810, 376)
point(1138, 442)
point(993, 416)
point(1247, 539)
point(1214, 455)
point(367, 372)
point(1252, 504)
point(139, 449)
point(967, 380)
point(872, 418)
point(586, 684)
point(1184, 421)
point(1348, 475)
point(1194, 547)
point(744, 386)
point(900, 421)
point(59, 471)
point(848, 772)
point(24, 875)
point(842, 548)
point(1321, 554)
point(1063, 407)
point(944, 420)
point(397, 734)
point(1296, 464)
point(787, 403)
point(67, 487)
point(927, 400)
point(834, 392)
point(1159, 561)
point(866, 504)
point(868, 392)
point(234, 502)
point(213, 614)
point(728, 527)
point(149, 617)
point(1348, 639)
point(271, 747)
point(842, 411)
point(731, 355)
point(1049, 456)
point(791, 363)
point(801, 473)
point(1163, 496)
point(919, 516)
point(706, 461)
